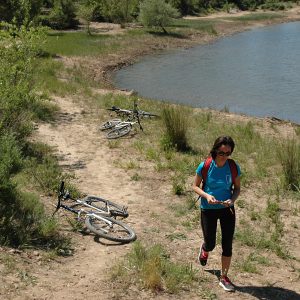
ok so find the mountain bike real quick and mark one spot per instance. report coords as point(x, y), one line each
point(129, 112)
point(110, 124)
point(98, 214)
point(122, 129)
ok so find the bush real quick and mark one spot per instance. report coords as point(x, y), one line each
point(114, 11)
point(157, 13)
point(187, 7)
point(175, 120)
point(154, 269)
point(22, 217)
point(271, 5)
point(21, 12)
point(62, 15)
point(289, 156)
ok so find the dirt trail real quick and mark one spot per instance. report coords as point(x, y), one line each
point(83, 149)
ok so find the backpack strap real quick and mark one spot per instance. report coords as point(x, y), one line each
point(233, 170)
point(205, 169)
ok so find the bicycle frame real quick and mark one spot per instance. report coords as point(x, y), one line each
point(124, 123)
point(111, 209)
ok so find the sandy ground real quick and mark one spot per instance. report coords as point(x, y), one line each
point(85, 151)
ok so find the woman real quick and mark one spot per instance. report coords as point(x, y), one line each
point(220, 177)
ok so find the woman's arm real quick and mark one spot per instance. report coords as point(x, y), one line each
point(196, 188)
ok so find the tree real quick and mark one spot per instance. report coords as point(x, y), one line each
point(185, 7)
point(22, 12)
point(86, 12)
point(157, 13)
point(62, 15)
point(118, 11)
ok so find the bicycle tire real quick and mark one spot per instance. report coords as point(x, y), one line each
point(110, 124)
point(115, 210)
point(110, 229)
point(146, 114)
point(119, 132)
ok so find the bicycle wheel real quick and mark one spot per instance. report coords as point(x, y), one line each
point(110, 124)
point(110, 228)
point(119, 132)
point(146, 114)
point(114, 209)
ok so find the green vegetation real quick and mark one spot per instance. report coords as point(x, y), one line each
point(153, 269)
point(23, 219)
point(270, 234)
point(78, 43)
point(172, 145)
point(157, 13)
point(256, 17)
point(201, 25)
point(65, 14)
point(289, 156)
point(251, 262)
point(61, 16)
point(175, 120)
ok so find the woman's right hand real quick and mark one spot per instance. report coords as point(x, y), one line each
point(212, 200)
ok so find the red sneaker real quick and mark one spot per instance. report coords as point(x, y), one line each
point(203, 256)
point(226, 284)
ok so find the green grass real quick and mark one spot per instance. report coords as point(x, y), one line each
point(251, 262)
point(176, 236)
point(152, 268)
point(256, 17)
point(79, 44)
point(289, 156)
point(251, 237)
point(201, 25)
point(53, 78)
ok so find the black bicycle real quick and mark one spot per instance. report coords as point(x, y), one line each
point(98, 214)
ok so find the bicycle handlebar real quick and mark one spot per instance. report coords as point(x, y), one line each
point(61, 195)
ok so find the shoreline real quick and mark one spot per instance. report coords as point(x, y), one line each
point(223, 30)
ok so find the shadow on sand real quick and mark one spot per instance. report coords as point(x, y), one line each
point(263, 292)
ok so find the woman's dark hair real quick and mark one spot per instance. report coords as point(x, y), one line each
point(221, 140)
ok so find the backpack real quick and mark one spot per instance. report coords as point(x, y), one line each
point(207, 163)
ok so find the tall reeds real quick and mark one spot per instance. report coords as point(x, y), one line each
point(175, 120)
point(289, 156)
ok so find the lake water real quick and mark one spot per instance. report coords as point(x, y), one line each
point(255, 72)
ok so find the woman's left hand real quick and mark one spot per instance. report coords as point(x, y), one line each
point(227, 203)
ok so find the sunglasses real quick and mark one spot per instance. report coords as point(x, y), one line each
point(221, 153)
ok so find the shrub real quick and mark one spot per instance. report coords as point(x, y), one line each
point(175, 120)
point(23, 220)
point(22, 217)
point(154, 269)
point(114, 11)
point(178, 184)
point(21, 12)
point(272, 5)
point(62, 15)
point(289, 156)
point(157, 13)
